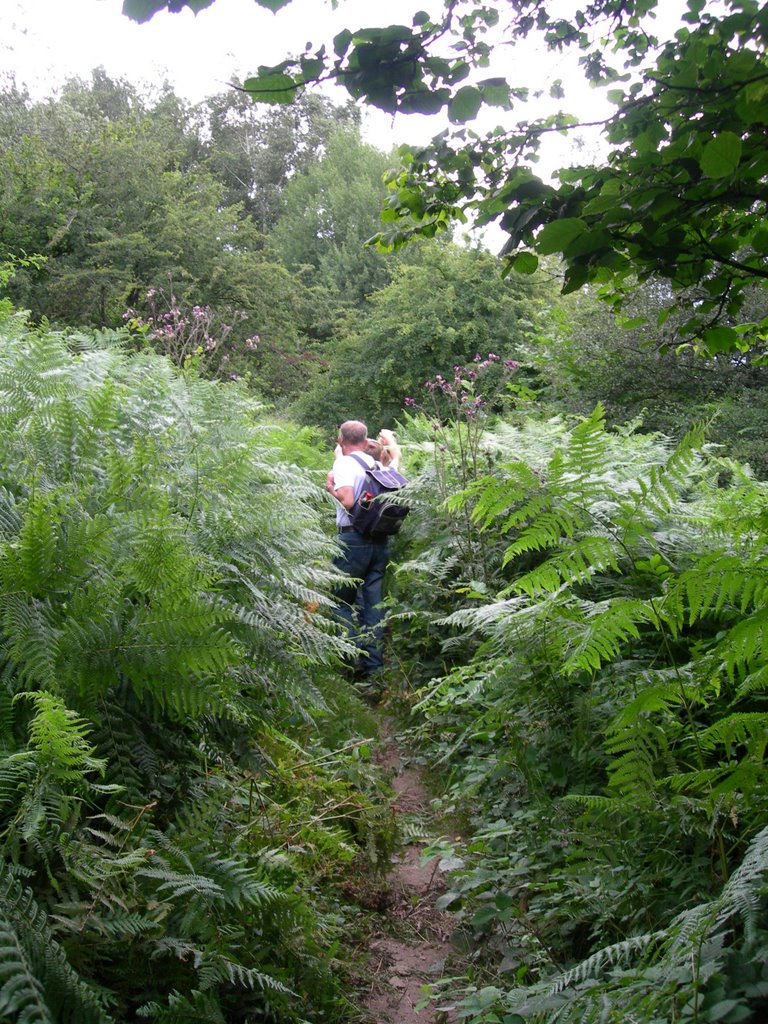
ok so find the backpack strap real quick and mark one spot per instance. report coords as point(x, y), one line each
point(361, 482)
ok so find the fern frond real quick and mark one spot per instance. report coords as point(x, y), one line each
point(549, 529)
point(29, 639)
point(38, 983)
point(745, 643)
point(577, 564)
point(609, 956)
point(661, 691)
point(11, 516)
point(636, 751)
point(495, 495)
point(585, 454)
point(748, 729)
point(216, 969)
point(197, 1008)
point(177, 885)
point(719, 580)
point(754, 682)
point(58, 735)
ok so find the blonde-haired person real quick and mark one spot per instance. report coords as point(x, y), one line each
point(374, 448)
point(391, 454)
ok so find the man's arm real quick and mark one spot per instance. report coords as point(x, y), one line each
point(346, 495)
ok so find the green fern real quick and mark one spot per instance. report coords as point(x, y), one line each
point(38, 984)
point(660, 975)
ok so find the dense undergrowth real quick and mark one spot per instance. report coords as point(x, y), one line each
point(581, 628)
point(578, 635)
point(177, 784)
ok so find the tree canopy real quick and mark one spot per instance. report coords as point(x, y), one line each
point(681, 195)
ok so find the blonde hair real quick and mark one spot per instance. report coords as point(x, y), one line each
point(390, 449)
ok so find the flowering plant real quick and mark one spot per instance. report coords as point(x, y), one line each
point(184, 333)
point(458, 409)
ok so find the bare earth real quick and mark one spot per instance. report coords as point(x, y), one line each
point(414, 943)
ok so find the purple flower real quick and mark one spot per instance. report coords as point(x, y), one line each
point(410, 401)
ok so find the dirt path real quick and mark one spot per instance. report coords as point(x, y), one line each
point(414, 942)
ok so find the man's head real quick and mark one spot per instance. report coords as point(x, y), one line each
point(353, 435)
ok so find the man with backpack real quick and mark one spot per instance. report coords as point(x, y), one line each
point(364, 519)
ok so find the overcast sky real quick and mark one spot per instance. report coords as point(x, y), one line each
point(43, 42)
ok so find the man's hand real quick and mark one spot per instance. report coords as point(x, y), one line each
point(346, 495)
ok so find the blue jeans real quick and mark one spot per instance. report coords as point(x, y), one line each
point(366, 560)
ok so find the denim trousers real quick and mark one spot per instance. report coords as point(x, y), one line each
point(358, 605)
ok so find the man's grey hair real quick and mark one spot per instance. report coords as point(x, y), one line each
point(353, 432)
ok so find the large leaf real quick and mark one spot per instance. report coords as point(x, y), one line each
point(721, 339)
point(525, 263)
point(143, 10)
point(721, 156)
point(465, 104)
point(556, 236)
point(271, 88)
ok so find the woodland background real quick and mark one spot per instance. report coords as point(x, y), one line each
point(578, 625)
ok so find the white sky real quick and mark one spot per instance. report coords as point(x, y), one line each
point(43, 42)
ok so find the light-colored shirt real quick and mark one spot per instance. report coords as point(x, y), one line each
point(347, 472)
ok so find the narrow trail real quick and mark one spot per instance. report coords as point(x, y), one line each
point(413, 944)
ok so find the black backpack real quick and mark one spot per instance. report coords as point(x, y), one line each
point(376, 514)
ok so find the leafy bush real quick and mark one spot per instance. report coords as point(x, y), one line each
point(601, 722)
point(169, 794)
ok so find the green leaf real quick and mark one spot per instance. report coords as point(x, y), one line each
point(630, 323)
point(556, 236)
point(721, 156)
point(271, 88)
point(484, 915)
point(341, 42)
point(721, 339)
point(495, 92)
point(142, 10)
point(525, 263)
point(424, 101)
point(271, 5)
point(444, 901)
point(465, 104)
point(311, 68)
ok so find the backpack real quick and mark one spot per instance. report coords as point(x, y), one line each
point(376, 514)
